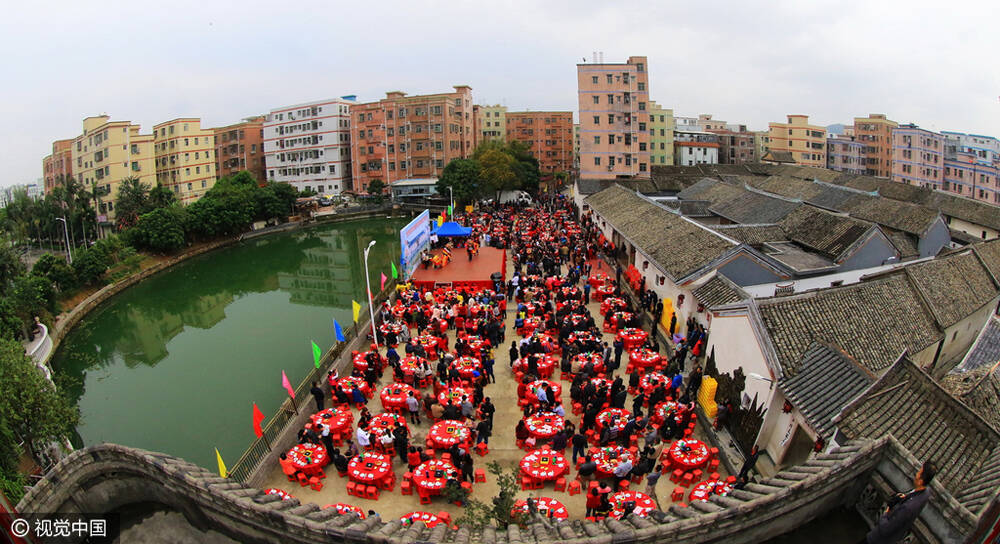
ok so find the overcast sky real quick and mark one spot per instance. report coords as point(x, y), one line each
point(932, 63)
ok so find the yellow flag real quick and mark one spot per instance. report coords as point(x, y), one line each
point(357, 310)
point(440, 220)
point(222, 466)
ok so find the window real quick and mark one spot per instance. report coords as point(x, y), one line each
point(203, 183)
point(611, 78)
point(639, 66)
point(597, 140)
point(597, 161)
point(642, 167)
point(611, 118)
point(642, 86)
point(597, 99)
point(642, 106)
point(597, 119)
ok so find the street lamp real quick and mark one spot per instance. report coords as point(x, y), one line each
point(756, 376)
point(66, 234)
point(371, 308)
point(451, 191)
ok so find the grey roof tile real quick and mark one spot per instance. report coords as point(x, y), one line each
point(753, 234)
point(829, 234)
point(752, 207)
point(827, 380)
point(718, 291)
point(954, 285)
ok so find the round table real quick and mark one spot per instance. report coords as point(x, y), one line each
point(608, 415)
point(369, 467)
point(643, 358)
point(338, 419)
point(347, 509)
point(394, 397)
point(703, 490)
point(618, 321)
point(384, 423)
point(591, 357)
point(609, 457)
point(360, 361)
point(468, 367)
point(444, 434)
point(544, 425)
point(583, 336)
point(308, 458)
point(411, 364)
point(396, 328)
point(650, 380)
point(664, 410)
point(598, 279)
point(430, 344)
point(546, 506)
point(421, 517)
point(688, 454)
point(347, 383)
point(644, 504)
point(544, 464)
point(601, 382)
point(531, 324)
point(533, 387)
point(546, 366)
point(612, 302)
point(569, 293)
point(603, 291)
point(574, 320)
point(453, 395)
point(632, 337)
point(430, 477)
point(475, 343)
point(279, 492)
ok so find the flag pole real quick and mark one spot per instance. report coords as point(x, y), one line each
point(294, 407)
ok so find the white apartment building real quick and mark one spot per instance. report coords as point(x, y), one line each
point(986, 149)
point(309, 145)
point(693, 147)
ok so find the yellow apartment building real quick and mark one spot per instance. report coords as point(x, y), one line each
point(185, 158)
point(661, 134)
point(875, 133)
point(106, 153)
point(806, 143)
point(491, 123)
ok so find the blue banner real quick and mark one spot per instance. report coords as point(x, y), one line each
point(413, 239)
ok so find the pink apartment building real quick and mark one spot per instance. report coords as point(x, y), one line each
point(614, 119)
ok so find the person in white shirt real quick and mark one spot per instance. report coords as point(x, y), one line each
point(363, 438)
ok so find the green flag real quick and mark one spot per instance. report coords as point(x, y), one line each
point(317, 354)
point(395, 273)
point(450, 213)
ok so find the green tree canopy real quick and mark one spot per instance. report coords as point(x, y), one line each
point(133, 200)
point(463, 176)
point(56, 270)
point(161, 230)
point(497, 173)
point(160, 197)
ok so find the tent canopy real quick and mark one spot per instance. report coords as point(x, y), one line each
point(451, 228)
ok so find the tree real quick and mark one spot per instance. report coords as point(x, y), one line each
point(33, 409)
point(32, 296)
point(462, 175)
point(160, 197)
point(376, 187)
point(497, 173)
point(161, 230)
point(90, 266)
point(56, 271)
point(10, 267)
point(479, 514)
point(133, 198)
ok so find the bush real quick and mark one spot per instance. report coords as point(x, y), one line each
point(56, 270)
point(161, 230)
point(90, 265)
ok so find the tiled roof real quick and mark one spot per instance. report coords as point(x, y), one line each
point(751, 207)
point(962, 237)
point(904, 243)
point(689, 208)
point(967, 209)
point(985, 351)
point(779, 156)
point(827, 380)
point(979, 389)
point(989, 252)
point(787, 186)
point(827, 233)
point(679, 246)
point(955, 285)
point(908, 404)
point(711, 190)
point(718, 291)
point(873, 321)
point(752, 234)
point(910, 218)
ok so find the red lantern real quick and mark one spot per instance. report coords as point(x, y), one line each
point(680, 300)
point(701, 307)
point(787, 407)
point(820, 444)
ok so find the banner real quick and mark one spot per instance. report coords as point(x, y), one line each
point(414, 238)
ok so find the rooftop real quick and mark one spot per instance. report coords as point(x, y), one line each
point(827, 381)
point(718, 291)
point(831, 235)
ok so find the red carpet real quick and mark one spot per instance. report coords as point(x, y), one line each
point(463, 272)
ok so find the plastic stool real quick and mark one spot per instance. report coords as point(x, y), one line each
point(713, 464)
point(677, 495)
point(425, 499)
point(316, 484)
point(730, 480)
point(697, 474)
point(526, 483)
point(302, 479)
point(561, 484)
point(623, 485)
point(406, 488)
point(371, 492)
point(352, 489)
point(467, 487)
point(687, 480)
point(592, 485)
point(574, 488)
point(407, 476)
point(480, 475)
point(714, 476)
point(444, 516)
point(676, 476)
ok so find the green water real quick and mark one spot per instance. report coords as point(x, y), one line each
point(174, 363)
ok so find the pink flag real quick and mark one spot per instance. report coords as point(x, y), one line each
point(287, 385)
point(383, 281)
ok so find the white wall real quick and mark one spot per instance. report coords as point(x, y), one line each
point(689, 156)
point(736, 345)
point(972, 229)
point(333, 146)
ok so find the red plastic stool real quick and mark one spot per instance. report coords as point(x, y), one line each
point(574, 487)
point(425, 499)
point(467, 487)
point(730, 480)
point(714, 476)
point(561, 484)
point(677, 495)
point(526, 483)
point(713, 453)
point(406, 488)
point(407, 476)
point(388, 482)
point(482, 449)
point(371, 492)
point(303, 479)
point(687, 480)
point(697, 474)
point(623, 485)
point(592, 485)
point(480, 475)
point(316, 484)
point(352, 489)
point(444, 516)
point(713, 464)
point(687, 433)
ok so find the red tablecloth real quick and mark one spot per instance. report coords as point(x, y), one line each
point(544, 464)
point(447, 433)
point(573, 320)
point(688, 453)
point(603, 292)
point(309, 458)
point(430, 477)
point(609, 457)
point(544, 425)
point(360, 362)
point(475, 343)
point(430, 344)
point(546, 366)
point(583, 336)
point(410, 364)
point(618, 415)
point(532, 392)
point(599, 279)
point(633, 338)
point(643, 358)
point(600, 382)
point(467, 367)
point(396, 328)
point(428, 519)
point(346, 384)
point(384, 423)
point(591, 357)
point(546, 506)
point(569, 293)
point(453, 395)
point(611, 302)
point(644, 504)
point(279, 492)
point(663, 410)
point(531, 324)
point(338, 419)
point(394, 397)
point(650, 380)
point(703, 490)
point(347, 509)
point(369, 467)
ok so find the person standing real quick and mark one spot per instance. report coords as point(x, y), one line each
point(673, 323)
point(749, 463)
point(318, 395)
point(414, 407)
point(903, 509)
point(619, 347)
point(651, 479)
point(579, 445)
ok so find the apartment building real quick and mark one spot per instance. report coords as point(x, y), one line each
point(614, 119)
point(965, 174)
point(985, 149)
point(846, 154)
point(490, 123)
point(736, 144)
point(706, 123)
point(805, 142)
point(917, 156)
point(576, 146)
point(548, 135)
point(761, 143)
point(58, 166)
point(185, 158)
point(875, 133)
point(108, 152)
point(309, 145)
point(240, 147)
point(405, 137)
point(661, 134)
point(693, 147)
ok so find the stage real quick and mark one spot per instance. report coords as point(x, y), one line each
point(463, 272)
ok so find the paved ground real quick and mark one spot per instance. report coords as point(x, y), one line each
point(502, 449)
